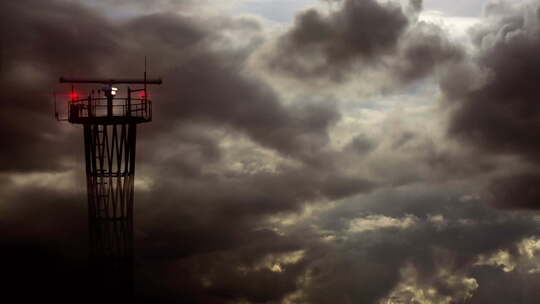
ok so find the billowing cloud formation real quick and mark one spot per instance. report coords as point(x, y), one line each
point(207, 96)
point(362, 35)
point(61, 39)
point(245, 195)
point(496, 110)
point(405, 259)
point(363, 29)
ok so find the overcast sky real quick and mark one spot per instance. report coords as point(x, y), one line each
point(339, 151)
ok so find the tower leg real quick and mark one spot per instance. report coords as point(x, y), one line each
point(110, 172)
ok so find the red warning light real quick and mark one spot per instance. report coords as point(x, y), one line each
point(143, 95)
point(74, 96)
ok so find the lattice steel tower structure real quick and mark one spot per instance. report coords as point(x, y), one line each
point(109, 115)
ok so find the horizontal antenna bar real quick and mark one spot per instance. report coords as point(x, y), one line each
point(110, 81)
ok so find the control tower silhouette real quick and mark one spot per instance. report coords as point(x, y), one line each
point(109, 114)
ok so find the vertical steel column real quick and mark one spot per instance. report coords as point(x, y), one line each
point(110, 172)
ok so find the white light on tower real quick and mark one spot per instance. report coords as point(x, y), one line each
point(113, 91)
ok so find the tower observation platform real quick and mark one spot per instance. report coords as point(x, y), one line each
point(109, 114)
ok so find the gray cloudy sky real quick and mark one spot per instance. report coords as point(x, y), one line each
point(343, 151)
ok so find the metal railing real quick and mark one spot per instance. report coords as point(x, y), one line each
point(122, 107)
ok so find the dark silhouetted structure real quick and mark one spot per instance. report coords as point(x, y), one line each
point(109, 116)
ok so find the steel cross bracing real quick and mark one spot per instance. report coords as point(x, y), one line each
point(110, 167)
point(110, 171)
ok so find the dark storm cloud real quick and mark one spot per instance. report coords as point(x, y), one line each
point(361, 266)
point(365, 266)
point(203, 231)
point(517, 288)
point(219, 94)
point(194, 223)
point(502, 115)
point(66, 39)
point(37, 210)
point(423, 48)
point(215, 234)
point(362, 29)
point(497, 109)
point(362, 35)
point(36, 253)
point(229, 265)
point(516, 191)
point(39, 44)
